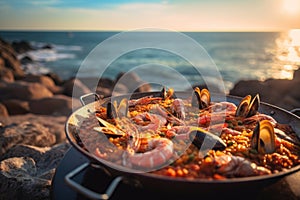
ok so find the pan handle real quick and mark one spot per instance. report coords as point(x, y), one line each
point(296, 111)
point(87, 192)
point(83, 97)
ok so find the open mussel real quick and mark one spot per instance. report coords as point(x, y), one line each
point(202, 139)
point(263, 137)
point(108, 128)
point(248, 107)
point(201, 98)
point(113, 111)
point(167, 94)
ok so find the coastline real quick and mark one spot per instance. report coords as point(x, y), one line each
point(29, 102)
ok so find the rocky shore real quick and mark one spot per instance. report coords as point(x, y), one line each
point(35, 107)
point(33, 112)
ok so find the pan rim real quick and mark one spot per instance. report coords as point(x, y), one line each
point(108, 164)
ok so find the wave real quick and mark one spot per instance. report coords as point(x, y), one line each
point(57, 47)
point(45, 52)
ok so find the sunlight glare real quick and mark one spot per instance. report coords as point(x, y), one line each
point(291, 6)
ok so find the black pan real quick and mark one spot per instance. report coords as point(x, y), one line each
point(178, 187)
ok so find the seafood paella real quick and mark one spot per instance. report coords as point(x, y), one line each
point(193, 138)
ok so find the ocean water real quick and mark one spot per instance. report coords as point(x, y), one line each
point(233, 56)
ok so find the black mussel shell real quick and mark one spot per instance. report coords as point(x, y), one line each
point(211, 141)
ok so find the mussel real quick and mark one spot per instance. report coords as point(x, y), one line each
point(167, 94)
point(201, 98)
point(248, 107)
point(263, 137)
point(108, 128)
point(113, 110)
point(204, 139)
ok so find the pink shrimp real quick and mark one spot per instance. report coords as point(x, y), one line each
point(143, 101)
point(223, 106)
point(259, 117)
point(215, 118)
point(168, 116)
point(238, 166)
point(156, 121)
point(179, 132)
point(226, 131)
point(178, 108)
point(161, 151)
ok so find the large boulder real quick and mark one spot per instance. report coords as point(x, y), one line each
point(25, 133)
point(21, 46)
point(23, 91)
point(75, 88)
point(54, 124)
point(3, 111)
point(5, 73)
point(105, 86)
point(133, 82)
point(280, 92)
point(10, 59)
point(57, 80)
point(26, 171)
point(44, 80)
point(56, 105)
point(16, 106)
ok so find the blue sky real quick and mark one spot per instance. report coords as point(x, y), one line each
point(181, 15)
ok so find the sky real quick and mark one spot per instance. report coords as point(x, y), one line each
point(179, 15)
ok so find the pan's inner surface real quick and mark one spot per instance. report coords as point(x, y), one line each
point(78, 116)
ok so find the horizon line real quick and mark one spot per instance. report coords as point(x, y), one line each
point(138, 30)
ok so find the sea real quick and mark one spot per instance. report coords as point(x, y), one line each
point(177, 58)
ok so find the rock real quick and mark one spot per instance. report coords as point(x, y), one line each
point(105, 92)
point(120, 89)
point(105, 87)
point(6, 74)
point(18, 181)
point(3, 111)
point(16, 106)
point(133, 82)
point(12, 63)
point(75, 88)
point(294, 91)
point(281, 92)
point(57, 80)
point(25, 133)
point(56, 105)
point(23, 91)
point(8, 55)
point(22, 46)
point(5, 46)
point(46, 158)
point(26, 60)
point(296, 76)
point(44, 80)
point(55, 124)
point(47, 46)
point(27, 171)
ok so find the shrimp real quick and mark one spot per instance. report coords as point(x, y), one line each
point(179, 132)
point(154, 121)
point(161, 151)
point(238, 166)
point(228, 131)
point(223, 106)
point(166, 114)
point(178, 108)
point(259, 117)
point(144, 100)
point(207, 118)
